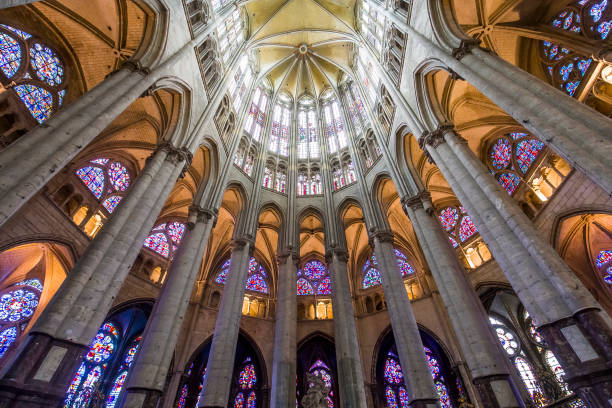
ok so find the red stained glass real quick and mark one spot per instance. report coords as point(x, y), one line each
point(93, 178)
point(501, 153)
point(467, 228)
point(509, 181)
point(158, 243)
point(448, 217)
point(257, 283)
point(119, 176)
point(247, 378)
point(526, 152)
point(304, 287)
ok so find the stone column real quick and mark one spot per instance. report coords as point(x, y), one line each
point(147, 377)
point(285, 331)
point(417, 376)
point(60, 338)
point(31, 161)
point(15, 3)
point(487, 364)
point(578, 133)
point(220, 367)
point(350, 375)
point(568, 317)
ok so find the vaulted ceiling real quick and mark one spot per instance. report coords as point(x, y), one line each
point(303, 46)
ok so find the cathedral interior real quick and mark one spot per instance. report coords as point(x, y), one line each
point(326, 203)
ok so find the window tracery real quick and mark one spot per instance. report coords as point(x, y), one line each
point(209, 63)
point(35, 69)
point(241, 82)
point(231, 35)
point(197, 13)
point(372, 26)
point(257, 280)
point(320, 369)
point(371, 274)
point(165, 238)
point(604, 265)
point(334, 128)
point(279, 132)
point(309, 180)
point(308, 137)
point(18, 302)
point(313, 279)
point(254, 123)
point(275, 176)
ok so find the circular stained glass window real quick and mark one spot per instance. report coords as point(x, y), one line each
point(314, 270)
point(46, 65)
point(101, 348)
point(17, 305)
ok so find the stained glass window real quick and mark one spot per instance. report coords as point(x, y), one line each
point(123, 371)
point(604, 264)
point(105, 179)
point(334, 127)
point(230, 34)
point(241, 82)
point(314, 274)
point(247, 380)
point(256, 280)
point(372, 26)
point(512, 157)
point(458, 224)
point(448, 217)
point(35, 68)
point(371, 274)
point(18, 302)
point(165, 238)
point(321, 370)
point(279, 130)
point(254, 122)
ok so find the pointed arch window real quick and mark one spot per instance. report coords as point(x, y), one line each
point(279, 133)
point(165, 238)
point(309, 181)
point(255, 120)
point(458, 224)
point(308, 138)
point(241, 82)
point(123, 371)
point(367, 74)
point(35, 68)
point(231, 34)
point(106, 179)
point(372, 26)
point(334, 127)
point(512, 158)
point(257, 280)
point(566, 69)
point(313, 279)
point(275, 176)
point(356, 109)
point(371, 275)
point(321, 370)
point(18, 302)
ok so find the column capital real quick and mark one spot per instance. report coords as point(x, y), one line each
point(340, 253)
point(241, 242)
point(434, 138)
point(381, 236)
point(198, 214)
point(417, 201)
point(465, 47)
point(135, 66)
point(284, 254)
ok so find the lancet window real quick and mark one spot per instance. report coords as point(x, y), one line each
point(102, 375)
point(219, 4)
point(393, 58)
point(343, 173)
point(257, 280)
point(372, 26)
point(371, 275)
point(367, 74)
point(165, 238)
point(36, 70)
point(106, 179)
point(231, 35)
point(18, 302)
point(564, 68)
point(335, 133)
point(313, 279)
point(308, 137)
point(256, 118)
point(225, 119)
point(241, 82)
point(309, 181)
point(322, 370)
point(275, 176)
point(197, 13)
point(209, 64)
point(245, 156)
point(356, 109)
point(280, 130)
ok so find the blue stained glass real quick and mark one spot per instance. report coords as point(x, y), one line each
point(509, 182)
point(604, 29)
point(393, 371)
point(371, 278)
point(239, 401)
point(404, 267)
point(314, 270)
point(583, 66)
point(448, 217)
point(46, 64)
point(467, 228)
point(445, 400)
point(518, 135)
point(183, 397)
point(74, 385)
point(101, 348)
point(34, 283)
point(319, 364)
point(17, 31)
point(38, 101)
point(257, 283)
point(111, 203)
point(304, 287)
point(93, 178)
point(597, 10)
point(17, 305)
point(603, 258)
point(453, 242)
point(10, 55)
point(501, 153)
point(222, 277)
point(403, 395)
point(571, 87)
point(566, 70)
point(399, 254)
point(324, 287)
point(526, 153)
point(7, 338)
point(101, 161)
point(119, 176)
point(324, 376)
point(113, 396)
point(159, 243)
point(176, 231)
point(252, 401)
point(391, 401)
point(60, 96)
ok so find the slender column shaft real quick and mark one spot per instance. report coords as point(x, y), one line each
point(148, 376)
point(285, 331)
point(350, 376)
point(569, 318)
point(417, 376)
point(215, 392)
point(480, 348)
point(44, 151)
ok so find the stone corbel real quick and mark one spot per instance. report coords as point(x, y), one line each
point(198, 214)
point(381, 236)
point(135, 66)
point(465, 48)
point(340, 253)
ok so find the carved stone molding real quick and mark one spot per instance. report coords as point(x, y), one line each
point(381, 236)
point(135, 66)
point(198, 214)
point(340, 253)
point(465, 48)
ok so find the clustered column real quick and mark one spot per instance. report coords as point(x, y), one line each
point(567, 315)
point(216, 388)
point(285, 329)
point(350, 376)
point(148, 375)
point(405, 330)
point(481, 350)
point(60, 338)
